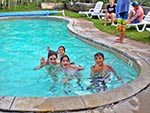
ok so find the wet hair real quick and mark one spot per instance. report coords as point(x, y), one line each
point(62, 47)
point(64, 57)
point(99, 53)
point(52, 53)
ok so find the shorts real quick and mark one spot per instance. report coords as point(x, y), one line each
point(135, 21)
point(123, 16)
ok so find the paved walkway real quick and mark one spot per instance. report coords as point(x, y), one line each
point(138, 103)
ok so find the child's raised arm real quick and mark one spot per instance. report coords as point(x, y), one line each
point(118, 77)
point(43, 62)
point(76, 67)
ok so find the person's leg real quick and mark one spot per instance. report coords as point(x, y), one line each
point(135, 21)
point(121, 38)
point(121, 27)
point(131, 13)
point(106, 18)
point(112, 18)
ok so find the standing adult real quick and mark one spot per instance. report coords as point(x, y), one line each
point(122, 10)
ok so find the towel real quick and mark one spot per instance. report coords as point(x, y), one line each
point(122, 8)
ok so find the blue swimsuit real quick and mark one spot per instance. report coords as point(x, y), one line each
point(98, 82)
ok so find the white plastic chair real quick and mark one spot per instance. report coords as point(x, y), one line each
point(96, 11)
point(144, 22)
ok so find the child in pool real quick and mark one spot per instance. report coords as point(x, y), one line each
point(52, 60)
point(61, 51)
point(100, 73)
point(69, 69)
point(43, 62)
point(52, 66)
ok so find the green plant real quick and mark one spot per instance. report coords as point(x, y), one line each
point(146, 3)
point(106, 1)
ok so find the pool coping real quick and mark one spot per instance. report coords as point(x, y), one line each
point(77, 103)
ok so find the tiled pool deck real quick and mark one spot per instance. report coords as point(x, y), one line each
point(130, 98)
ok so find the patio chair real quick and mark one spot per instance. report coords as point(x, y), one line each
point(96, 11)
point(144, 22)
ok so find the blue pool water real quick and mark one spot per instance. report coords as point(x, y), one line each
point(24, 42)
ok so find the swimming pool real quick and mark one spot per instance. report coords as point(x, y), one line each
point(23, 43)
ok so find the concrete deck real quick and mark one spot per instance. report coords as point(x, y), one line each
point(138, 103)
point(130, 98)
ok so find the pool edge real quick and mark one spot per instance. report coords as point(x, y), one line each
point(76, 103)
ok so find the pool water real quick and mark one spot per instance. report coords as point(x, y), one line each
point(24, 42)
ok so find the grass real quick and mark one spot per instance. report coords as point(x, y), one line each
point(130, 33)
point(26, 7)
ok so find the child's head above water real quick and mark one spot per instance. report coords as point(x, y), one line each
point(99, 54)
point(99, 58)
point(65, 61)
point(50, 53)
point(52, 58)
point(61, 50)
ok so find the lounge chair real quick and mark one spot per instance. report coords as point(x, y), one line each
point(96, 11)
point(144, 22)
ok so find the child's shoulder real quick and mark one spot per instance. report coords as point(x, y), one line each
point(107, 66)
point(72, 66)
point(94, 66)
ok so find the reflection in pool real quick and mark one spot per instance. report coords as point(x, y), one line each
point(24, 42)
